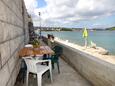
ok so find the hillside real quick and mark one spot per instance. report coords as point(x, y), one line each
point(112, 28)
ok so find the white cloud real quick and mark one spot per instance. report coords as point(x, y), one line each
point(31, 5)
point(71, 10)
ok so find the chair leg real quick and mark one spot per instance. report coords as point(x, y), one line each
point(52, 65)
point(50, 69)
point(51, 75)
point(23, 76)
point(27, 75)
point(39, 79)
point(58, 67)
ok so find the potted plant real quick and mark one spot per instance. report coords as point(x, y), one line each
point(36, 43)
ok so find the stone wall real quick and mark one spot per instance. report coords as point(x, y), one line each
point(13, 36)
point(95, 70)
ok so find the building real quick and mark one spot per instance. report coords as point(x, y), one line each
point(13, 35)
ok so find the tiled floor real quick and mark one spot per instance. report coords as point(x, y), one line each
point(67, 77)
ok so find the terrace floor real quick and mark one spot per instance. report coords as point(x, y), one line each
point(67, 77)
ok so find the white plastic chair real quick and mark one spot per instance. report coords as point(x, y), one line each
point(29, 45)
point(38, 69)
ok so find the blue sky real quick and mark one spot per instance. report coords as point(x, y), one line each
point(73, 13)
point(41, 3)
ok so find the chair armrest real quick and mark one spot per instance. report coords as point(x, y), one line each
point(39, 61)
point(27, 57)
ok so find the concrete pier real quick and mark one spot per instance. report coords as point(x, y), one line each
point(100, 72)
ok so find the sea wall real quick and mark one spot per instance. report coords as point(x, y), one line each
point(95, 70)
point(13, 36)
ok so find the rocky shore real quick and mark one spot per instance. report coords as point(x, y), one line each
point(98, 52)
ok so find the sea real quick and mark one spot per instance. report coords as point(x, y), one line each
point(105, 39)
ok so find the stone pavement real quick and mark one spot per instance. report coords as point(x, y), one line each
point(67, 77)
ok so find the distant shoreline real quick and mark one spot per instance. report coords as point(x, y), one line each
point(75, 30)
point(72, 29)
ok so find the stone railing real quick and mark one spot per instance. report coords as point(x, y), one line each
point(95, 70)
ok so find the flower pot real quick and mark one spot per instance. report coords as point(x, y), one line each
point(36, 46)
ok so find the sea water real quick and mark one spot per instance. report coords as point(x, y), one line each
point(105, 39)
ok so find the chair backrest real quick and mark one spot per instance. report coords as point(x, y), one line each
point(55, 58)
point(58, 50)
point(29, 45)
point(31, 65)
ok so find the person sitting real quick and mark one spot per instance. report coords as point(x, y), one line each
point(49, 40)
point(52, 42)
